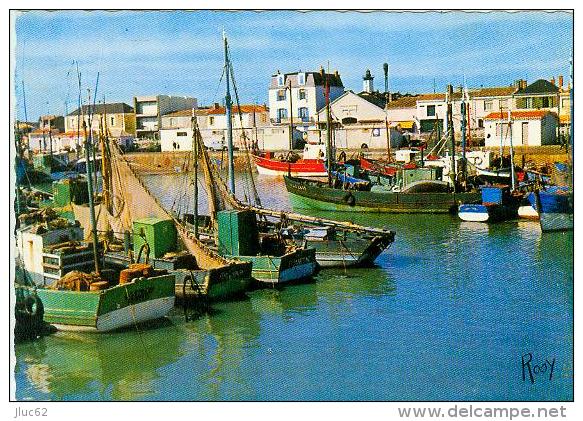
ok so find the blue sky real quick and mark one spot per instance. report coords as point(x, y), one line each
point(180, 53)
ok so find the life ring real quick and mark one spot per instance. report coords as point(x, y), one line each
point(478, 161)
point(33, 305)
point(349, 199)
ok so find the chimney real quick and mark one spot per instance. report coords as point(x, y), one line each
point(322, 71)
point(215, 106)
point(561, 81)
point(553, 80)
point(336, 73)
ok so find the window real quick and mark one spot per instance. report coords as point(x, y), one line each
point(280, 80)
point(302, 94)
point(211, 121)
point(281, 95)
point(171, 122)
point(431, 111)
point(303, 113)
point(504, 128)
point(281, 114)
point(488, 105)
point(181, 134)
point(564, 102)
point(546, 102)
point(112, 121)
point(301, 78)
point(480, 123)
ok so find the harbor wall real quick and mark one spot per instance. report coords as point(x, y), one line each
point(177, 161)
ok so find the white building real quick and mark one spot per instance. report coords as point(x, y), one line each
point(300, 95)
point(402, 112)
point(253, 120)
point(529, 128)
point(150, 109)
point(359, 121)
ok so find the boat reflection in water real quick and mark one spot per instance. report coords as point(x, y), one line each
point(81, 366)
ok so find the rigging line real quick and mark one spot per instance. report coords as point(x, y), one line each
point(253, 188)
point(218, 86)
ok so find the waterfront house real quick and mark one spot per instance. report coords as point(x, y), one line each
point(150, 109)
point(402, 113)
point(297, 97)
point(118, 117)
point(529, 128)
point(253, 120)
point(359, 121)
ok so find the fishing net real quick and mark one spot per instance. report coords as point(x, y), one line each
point(139, 203)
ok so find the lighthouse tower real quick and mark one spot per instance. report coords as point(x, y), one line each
point(367, 85)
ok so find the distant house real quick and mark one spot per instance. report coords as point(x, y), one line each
point(359, 121)
point(176, 132)
point(402, 112)
point(540, 94)
point(150, 109)
point(299, 96)
point(119, 118)
point(529, 128)
point(484, 101)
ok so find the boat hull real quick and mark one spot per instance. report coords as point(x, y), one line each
point(555, 206)
point(527, 212)
point(350, 253)
point(309, 195)
point(301, 168)
point(486, 213)
point(292, 267)
point(124, 305)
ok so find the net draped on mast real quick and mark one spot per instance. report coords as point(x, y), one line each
point(138, 203)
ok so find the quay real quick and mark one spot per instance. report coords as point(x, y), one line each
point(175, 161)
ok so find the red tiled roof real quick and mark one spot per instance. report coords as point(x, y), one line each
point(403, 102)
point(518, 115)
point(218, 110)
point(493, 91)
point(245, 109)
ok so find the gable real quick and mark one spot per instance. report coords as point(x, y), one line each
point(350, 105)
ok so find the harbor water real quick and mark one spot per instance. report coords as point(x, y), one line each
point(450, 312)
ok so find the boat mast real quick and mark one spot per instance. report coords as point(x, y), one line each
point(228, 104)
point(195, 170)
point(512, 173)
point(328, 134)
point(291, 117)
point(77, 148)
point(452, 171)
point(50, 146)
point(463, 115)
point(90, 193)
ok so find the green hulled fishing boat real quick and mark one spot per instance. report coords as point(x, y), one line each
point(311, 194)
point(142, 299)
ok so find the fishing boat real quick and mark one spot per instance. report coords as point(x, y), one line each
point(312, 194)
point(201, 273)
point(312, 164)
point(408, 190)
point(498, 204)
point(554, 205)
point(96, 301)
point(237, 234)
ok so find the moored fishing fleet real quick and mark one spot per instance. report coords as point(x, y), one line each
point(98, 251)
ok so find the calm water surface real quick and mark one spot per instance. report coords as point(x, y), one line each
point(446, 314)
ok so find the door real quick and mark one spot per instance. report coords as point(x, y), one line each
point(525, 133)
